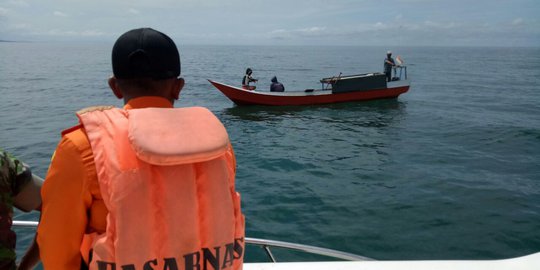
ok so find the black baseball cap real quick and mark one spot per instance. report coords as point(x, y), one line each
point(145, 53)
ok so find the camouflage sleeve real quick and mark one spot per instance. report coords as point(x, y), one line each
point(14, 174)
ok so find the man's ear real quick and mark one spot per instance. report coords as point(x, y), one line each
point(113, 84)
point(178, 85)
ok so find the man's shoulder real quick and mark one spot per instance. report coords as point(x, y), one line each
point(76, 136)
point(14, 174)
point(94, 108)
point(76, 133)
point(71, 129)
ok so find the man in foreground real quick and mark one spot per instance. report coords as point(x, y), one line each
point(147, 186)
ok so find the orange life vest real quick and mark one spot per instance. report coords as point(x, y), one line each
point(167, 177)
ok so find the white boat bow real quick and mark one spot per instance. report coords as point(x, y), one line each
point(529, 262)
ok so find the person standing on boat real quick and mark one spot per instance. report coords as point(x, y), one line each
point(389, 63)
point(276, 86)
point(247, 79)
point(148, 186)
point(19, 188)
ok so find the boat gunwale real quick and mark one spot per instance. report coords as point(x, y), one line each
point(298, 98)
point(264, 243)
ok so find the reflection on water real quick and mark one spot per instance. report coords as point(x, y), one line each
point(263, 113)
point(376, 113)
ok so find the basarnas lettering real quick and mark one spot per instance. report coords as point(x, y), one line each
point(205, 259)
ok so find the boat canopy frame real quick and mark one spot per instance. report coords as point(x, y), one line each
point(399, 72)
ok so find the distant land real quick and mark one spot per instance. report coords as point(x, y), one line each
point(14, 41)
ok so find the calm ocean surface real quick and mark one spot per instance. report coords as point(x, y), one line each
point(449, 170)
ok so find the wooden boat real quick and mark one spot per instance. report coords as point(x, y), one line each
point(333, 90)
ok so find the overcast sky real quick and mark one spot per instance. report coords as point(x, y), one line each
point(280, 22)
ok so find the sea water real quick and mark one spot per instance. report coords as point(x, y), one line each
point(449, 170)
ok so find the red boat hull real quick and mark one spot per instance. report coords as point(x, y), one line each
point(245, 97)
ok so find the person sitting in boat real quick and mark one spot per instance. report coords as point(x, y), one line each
point(389, 63)
point(247, 79)
point(20, 189)
point(276, 86)
point(147, 185)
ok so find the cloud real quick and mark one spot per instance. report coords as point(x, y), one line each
point(327, 33)
point(133, 11)
point(21, 26)
point(91, 33)
point(60, 14)
point(3, 11)
point(439, 25)
point(517, 21)
point(71, 33)
point(314, 31)
point(18, 3)
point(377, 26)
